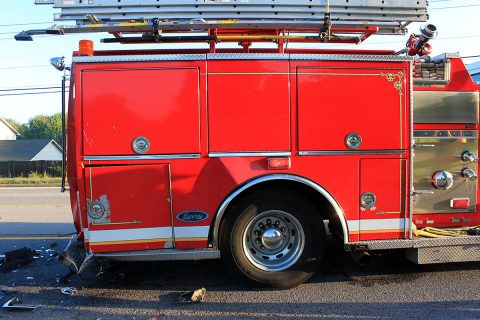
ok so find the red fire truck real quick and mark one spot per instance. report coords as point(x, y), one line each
point(202, 150)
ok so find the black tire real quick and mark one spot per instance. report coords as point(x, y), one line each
point(238, 224)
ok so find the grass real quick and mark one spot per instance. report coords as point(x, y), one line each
point(33, 178)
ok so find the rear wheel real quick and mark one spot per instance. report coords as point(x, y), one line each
point(272, 238)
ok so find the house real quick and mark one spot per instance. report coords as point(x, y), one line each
point(22, 157)
point(7, 132)
point(30, 150)
point(474, 70)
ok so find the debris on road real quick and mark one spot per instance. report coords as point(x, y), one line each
point(30, 278)
point(196, 296)
point(18, 258)
point(69, 291)
point(13, 305)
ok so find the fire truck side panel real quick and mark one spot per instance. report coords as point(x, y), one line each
point(248, 106)
point(115, 104)
point(332, 105)
point(200, 185)
point(134, 213)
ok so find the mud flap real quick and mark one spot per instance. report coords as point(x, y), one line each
point(75, 257)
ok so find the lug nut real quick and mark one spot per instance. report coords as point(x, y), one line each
point(256, 232)
point(269, 221)
point(277, 223)
point(282, 229)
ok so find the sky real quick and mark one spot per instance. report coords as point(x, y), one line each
point(26, 64)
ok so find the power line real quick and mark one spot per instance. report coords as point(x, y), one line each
point(24, 24)
point(22, 89)
point(28, 93)
point(456, 7)
point(23, 67)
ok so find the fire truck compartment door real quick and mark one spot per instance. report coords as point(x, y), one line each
point(384, 181)
point(336, 102)
point(128, 207)
point(248, 106)
point(161, 105)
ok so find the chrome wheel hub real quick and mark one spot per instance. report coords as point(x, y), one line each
point(273, 240)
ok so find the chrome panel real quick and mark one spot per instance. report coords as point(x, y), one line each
point(248, 154)
point(144, 157)
point(162, 255)
point(445, 107)
point(409, 216)
point(224, 205)
point(351, 152)
point(445, 155)
point(137, 58)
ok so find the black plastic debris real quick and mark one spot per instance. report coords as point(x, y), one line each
point(14, 304)
point(17, 258)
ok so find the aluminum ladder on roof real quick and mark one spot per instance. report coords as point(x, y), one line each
point(390, 16)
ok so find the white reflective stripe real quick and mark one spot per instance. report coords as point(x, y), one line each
point(130, 234)
point(145, 233)
point(377, 224)
point(353, 225)
point(191, 232)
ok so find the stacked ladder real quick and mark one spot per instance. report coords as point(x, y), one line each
point(140, 16)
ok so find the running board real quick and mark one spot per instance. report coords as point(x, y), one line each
point(444, 254)
point(427, 251)
point(162, 255)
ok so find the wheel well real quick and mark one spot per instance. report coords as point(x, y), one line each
point(325, 208)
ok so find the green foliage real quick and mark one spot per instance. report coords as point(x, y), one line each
point(40, 127)
point(15, 124)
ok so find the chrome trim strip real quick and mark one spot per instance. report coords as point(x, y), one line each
point(143, 57)
point(349, 57)
point(144, 157)
point(238, 56)
point(412, 144)
point(224, 205)
point(247, 56)
point(248, 154)
point(162, 255)
point(350, 152)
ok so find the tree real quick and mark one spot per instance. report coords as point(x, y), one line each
point(15, 124)
point(40, 127)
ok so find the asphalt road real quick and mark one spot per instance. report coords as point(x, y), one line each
point(388, 288)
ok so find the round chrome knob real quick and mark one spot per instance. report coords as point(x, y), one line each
point(272, 239)
point(368, 200)
point(140, 145)
point(96, 210)
point(442, 180)
point(353, 141)
point(467, 156)
point(469, 174)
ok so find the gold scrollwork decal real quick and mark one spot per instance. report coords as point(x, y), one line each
point(397, 84)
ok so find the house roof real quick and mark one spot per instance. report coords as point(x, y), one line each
point(23, 150)
point(5, 122)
